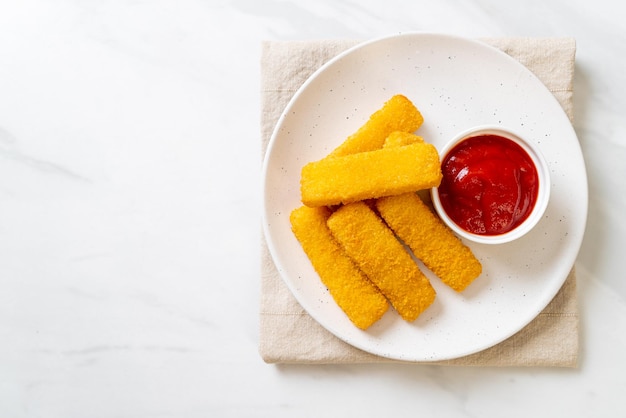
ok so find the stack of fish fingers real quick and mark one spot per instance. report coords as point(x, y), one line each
point(359, 200)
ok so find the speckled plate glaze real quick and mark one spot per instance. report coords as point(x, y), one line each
point(456, 83)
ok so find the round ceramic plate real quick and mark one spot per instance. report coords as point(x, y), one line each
point(456, 83)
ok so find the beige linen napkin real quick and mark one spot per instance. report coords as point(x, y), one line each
point(289, 335)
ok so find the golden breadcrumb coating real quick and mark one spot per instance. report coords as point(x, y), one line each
point(399, 139)
point(397, 114)
point(375, 249)
point(430, 239)
point(362, 302)
point(372, 174)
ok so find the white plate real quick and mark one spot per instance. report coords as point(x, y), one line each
point(456, 83)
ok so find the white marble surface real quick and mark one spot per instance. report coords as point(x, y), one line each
point(130, 213)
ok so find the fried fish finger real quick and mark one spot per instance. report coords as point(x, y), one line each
point(397, 114)
point(353, 292)
point(374, 248)
point(367, 175)
point(430, 239)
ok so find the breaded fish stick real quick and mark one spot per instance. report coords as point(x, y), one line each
point(362, 302)
point(372, 174)
point(430, 240)
point(397, 114)
point(374, 248)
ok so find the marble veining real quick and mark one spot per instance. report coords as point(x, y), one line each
point(130, 209)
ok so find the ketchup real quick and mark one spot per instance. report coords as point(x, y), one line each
point(489, 184)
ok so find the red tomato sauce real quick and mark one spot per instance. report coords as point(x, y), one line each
point(489, 184)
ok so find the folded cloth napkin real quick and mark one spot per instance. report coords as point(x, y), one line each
point(289, 335)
